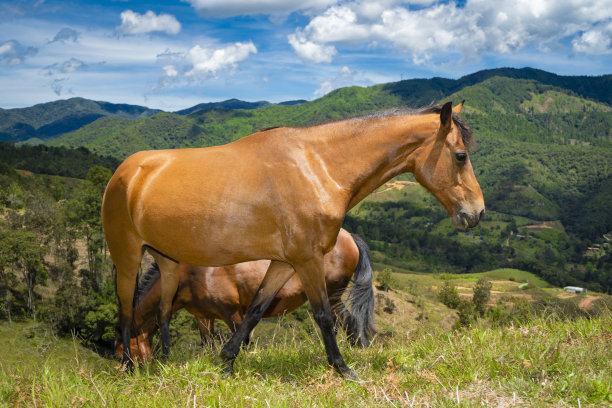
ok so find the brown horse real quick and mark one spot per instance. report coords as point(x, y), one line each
point(284, 192)
point(224, 293)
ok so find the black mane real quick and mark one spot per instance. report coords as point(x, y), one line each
point(466, 131)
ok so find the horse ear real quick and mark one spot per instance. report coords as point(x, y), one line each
point(445, 120)
point(457, 109)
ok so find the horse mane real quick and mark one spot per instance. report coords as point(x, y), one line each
point(464, 128)
point(149, 277)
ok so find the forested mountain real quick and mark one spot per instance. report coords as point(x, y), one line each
point(228, 104)
point(48, 120)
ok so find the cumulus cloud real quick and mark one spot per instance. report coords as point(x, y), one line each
point(310, 51)
point(479, 26)
point(202, 63)
point(14, 53)
point(228, 8)
point(207, 62)
point(135, 23)
point(65, 34)
point(597, 40)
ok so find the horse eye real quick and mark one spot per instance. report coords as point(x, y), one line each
point(461, 157)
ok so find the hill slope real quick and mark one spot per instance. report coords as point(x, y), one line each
point(48, 120)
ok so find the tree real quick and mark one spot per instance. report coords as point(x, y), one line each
point(84, 214)
point(21, 250)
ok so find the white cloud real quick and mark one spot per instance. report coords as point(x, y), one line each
point(597, 40)
point(207, 62)
point(202, 63)
point(170, 71)
point(134, 23)
point(228, 8)
point(478, 27)
point(309, 50)
point(13, 53)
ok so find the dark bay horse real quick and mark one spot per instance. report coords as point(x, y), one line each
point(225, 292)
point(280, 194)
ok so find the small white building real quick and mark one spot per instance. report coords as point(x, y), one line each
point(574, 289)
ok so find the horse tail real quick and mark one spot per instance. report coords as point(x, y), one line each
point(360, 296)
point(149, 277)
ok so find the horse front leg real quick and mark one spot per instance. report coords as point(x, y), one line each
point(277, 275)
point(312, 276)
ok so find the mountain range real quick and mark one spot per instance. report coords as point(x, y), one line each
point(45, 121)
point(544, 140)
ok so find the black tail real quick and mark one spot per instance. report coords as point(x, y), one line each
point(149, 277)
point(360, 298)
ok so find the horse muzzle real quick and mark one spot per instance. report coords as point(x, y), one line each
point(465, 219)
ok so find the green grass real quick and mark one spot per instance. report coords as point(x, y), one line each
point(546, 362)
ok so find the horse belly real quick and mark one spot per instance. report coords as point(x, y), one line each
point(203, 232)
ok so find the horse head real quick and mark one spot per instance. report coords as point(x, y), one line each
point(140, 347)
point(442, 165)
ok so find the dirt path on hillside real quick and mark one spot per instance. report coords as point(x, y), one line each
point(586, 303)
point(399, 185)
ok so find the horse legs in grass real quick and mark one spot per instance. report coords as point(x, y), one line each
point(312, 276)
point(277, 275)
point(207, 329)
point(169, 277)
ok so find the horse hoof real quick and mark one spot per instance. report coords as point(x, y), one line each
point(346, 372)
point(349, 375)
point(127, 367)
point(228, 370)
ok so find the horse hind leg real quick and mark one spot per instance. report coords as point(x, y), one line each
point(169, 280)
point(277, 275)
point(127, 264)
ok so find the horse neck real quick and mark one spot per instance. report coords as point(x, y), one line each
point(362, 154)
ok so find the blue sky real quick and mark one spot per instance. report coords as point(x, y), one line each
point(174, 54)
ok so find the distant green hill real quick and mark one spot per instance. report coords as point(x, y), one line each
point(48, 120)
point(228, 104)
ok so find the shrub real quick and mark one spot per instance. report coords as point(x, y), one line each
point(386, 280)
point(466, 313)
point(448, 295)
point(482, 294)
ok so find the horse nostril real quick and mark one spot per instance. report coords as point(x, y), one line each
point(482, 213)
